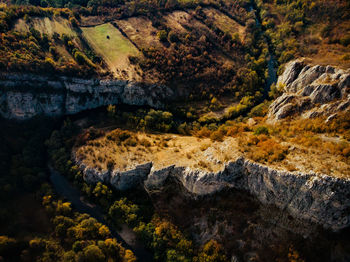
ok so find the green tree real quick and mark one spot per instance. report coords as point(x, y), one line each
point(93, 253)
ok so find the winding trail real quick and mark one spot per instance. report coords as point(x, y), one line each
point(126, 236)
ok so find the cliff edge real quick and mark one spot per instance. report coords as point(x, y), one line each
point(319, 198)
point(23, 96)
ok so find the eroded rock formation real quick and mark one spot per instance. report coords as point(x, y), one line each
point(23, 96)
point(311, 91)
point(318, 198)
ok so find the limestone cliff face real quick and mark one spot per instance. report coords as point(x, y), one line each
point(311, 91)
point(319, 198)
point(23, 96)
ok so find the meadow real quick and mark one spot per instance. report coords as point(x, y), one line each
point(115, 49)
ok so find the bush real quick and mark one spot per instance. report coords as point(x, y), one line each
point(217, 136)
point(123, 211)
point(286, 56)
point(80, 57)
point(261, 130)
point(173, 37)
point(345, 41)
point(260, 110)
point(131, 141)
point(118, 136)
point(162, 35)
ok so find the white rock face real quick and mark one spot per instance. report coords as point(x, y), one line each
point(320, 198)
point(23, 96)
point(311, 91)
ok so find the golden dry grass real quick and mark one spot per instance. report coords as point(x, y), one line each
point(225, 23)
point(140, 31)
point(276, 151)
point(46, 25)
point(162, 149)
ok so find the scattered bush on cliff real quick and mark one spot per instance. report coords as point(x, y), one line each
point(262, 148)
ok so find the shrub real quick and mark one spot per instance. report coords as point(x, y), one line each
point(144, 142)
point(345, 40)
point(261, 130)
point(217, 136)
point(260, 110)
point(286, 56)
point(131, 141)
point(173, 37)
point(203, 132)
point(118, 136)
point(162, 35)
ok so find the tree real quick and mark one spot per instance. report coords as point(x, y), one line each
point(173, 37)
point(162, 35)
point(93, 253)
point(212, 251)
point(123, 211)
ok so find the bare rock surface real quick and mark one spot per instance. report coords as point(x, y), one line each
point(23, 96)
point(322, 199)
point(311, 91)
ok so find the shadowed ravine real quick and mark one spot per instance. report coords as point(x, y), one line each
point(125, 235)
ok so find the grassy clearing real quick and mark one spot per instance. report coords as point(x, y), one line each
point(181, 21)
point(225, 23)
point(113, 47)
point(140, 31)
point(46, 25)
point(176, 20)
point(162, 149)
point(301, 145)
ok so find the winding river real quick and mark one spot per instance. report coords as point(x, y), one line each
point(126, 236)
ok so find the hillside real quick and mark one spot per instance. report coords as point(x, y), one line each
point(175, 130)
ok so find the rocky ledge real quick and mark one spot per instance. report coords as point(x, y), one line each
point(311, 91)
point(23, 96)
point(319, 198)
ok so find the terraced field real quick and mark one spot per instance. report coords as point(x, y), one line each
point(225, 23)
point(140, 31)
point(114, 48)
point(46, 26)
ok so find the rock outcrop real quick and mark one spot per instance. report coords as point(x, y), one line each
point(311, 91)
point(319, 198)
point(23, 96)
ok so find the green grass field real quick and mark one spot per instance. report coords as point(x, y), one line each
point(115, 50)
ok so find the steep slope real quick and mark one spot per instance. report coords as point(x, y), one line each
point(210, 169)
point(23, 96)
point(311, 91)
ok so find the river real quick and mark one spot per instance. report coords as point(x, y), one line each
point(126, 236)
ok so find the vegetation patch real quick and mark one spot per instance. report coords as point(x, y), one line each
point(124, 150)
point(140, 31)
point(225, 23)
point(46, 25)
point(113, 47)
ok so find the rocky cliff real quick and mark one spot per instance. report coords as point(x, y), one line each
point(319, 198)
point(23, 96)
point(311, 91)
